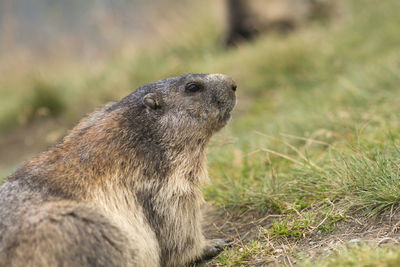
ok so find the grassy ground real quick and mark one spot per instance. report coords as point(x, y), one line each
point(308, 170)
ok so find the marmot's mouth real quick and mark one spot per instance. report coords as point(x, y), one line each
point(225, 106)
point(225, 114)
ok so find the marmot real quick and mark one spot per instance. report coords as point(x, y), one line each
point(123, 187)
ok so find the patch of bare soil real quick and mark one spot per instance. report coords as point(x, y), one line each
point(381, 230)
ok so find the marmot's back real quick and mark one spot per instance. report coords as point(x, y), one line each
point(123, 188)
point(55, 233)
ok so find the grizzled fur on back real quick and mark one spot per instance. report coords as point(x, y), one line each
point(123, 187)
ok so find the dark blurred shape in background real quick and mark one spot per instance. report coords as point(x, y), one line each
point(241, 25)
point(249, 18)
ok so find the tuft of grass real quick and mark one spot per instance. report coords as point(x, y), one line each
point(328, 225)
point(369, 178)
point(244, 254)
point(297, 225)
point(290, 228)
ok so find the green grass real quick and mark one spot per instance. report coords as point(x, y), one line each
point(324, 125)
point(244, 254)
point(359, 255)
point(322, 130)
point(315, 136)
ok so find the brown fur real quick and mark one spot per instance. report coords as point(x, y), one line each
point(123, 188)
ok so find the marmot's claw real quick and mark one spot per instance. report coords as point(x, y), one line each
point(221, 243)
point(215, 246)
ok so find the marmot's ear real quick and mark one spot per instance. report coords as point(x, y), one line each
point(152, 100)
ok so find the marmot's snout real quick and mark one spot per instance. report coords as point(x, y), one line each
point(224, 80)
point(225, 91)
point(224, 95)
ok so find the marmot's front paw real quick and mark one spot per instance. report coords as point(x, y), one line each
point(214, 247)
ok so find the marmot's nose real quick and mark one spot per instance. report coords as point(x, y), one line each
point(231, 83)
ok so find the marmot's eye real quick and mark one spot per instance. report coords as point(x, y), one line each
point(193, 87)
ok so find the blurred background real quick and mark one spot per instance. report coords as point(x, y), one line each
point(59, 59)
point(87, 30)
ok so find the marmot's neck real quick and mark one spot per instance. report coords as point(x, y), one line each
point(93, 158)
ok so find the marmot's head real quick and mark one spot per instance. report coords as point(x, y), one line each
point(189, 107)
